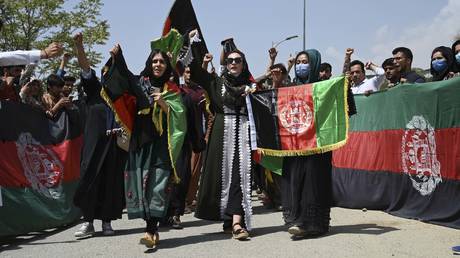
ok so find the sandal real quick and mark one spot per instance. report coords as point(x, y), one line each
point(150, 240)
point(241, 233)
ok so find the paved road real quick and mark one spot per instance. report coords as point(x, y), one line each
point(354, 233)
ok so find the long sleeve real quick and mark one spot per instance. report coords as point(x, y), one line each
point(200, 76)
point(19, 57)
point(379, 78)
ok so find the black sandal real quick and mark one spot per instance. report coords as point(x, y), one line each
point(239, 234)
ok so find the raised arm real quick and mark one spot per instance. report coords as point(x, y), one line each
point(347, 61)
point(25, 57)
point(199, 75)
point(61, 70)
point(81, 54)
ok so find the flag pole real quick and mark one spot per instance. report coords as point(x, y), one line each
point(304, 22)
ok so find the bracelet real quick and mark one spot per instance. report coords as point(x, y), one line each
point(46, 54)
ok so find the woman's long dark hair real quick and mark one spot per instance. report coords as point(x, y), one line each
point(147, 72)
point(456, 65)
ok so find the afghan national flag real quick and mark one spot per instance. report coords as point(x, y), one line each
point(182, 18)
point(124, 95)
point(403, 153)
point(121, 92)
point(299, 120)
point(39, 168)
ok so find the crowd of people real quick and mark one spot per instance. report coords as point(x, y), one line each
point(214, 174)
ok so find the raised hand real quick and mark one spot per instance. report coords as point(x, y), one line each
point(349, 51)
point(272, 52)
point(208, 58)
point(78, 39)
point(115, 50)
point(52, 50)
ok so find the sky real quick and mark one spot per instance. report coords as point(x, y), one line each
point(372, 28)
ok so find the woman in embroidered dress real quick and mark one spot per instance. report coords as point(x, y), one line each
point(157, 135)
point(225, 187)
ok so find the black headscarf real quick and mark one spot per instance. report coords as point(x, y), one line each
point(147, 72)
point(235, 86)
point(448, 55)
point(456, 65)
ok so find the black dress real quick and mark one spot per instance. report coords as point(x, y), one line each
point(100, 193)
point(307, 188)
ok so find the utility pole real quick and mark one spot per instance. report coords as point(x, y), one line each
point(304, 22)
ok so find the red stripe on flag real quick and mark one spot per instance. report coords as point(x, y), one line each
point(167, 26)
point(12, 162)
point(382, 151)
point(125, 108)
point(296, 119)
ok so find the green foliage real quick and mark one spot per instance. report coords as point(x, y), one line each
point(34, 24)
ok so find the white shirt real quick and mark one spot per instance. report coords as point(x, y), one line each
point(19, 57)
point(372, 84)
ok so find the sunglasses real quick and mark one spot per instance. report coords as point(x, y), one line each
point(237, 60)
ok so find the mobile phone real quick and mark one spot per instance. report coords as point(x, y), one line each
point(154, 90)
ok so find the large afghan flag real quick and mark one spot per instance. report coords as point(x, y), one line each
point(39, 168)
point(299, 120)
point(403, 153)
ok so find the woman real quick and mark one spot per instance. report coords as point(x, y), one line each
point(307, 180)
point(225, 187)
point(442, 63)
point(99, 194)
point(157, 134)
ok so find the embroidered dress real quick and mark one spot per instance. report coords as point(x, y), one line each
point(225, 186)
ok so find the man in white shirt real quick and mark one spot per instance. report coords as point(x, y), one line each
point(26, 57)
point(362, 85)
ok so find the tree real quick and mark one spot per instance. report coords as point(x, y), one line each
point(33, 24)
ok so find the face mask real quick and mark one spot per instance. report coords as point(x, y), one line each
point(302, 70)
point(439, 65)
point(457, 57)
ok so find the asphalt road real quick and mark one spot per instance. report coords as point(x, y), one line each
point(354, 233)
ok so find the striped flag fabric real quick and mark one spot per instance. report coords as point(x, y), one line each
point(299, 120)
point(403, 153)
point(39, 168)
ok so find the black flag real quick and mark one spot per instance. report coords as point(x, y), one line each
point(182, 18)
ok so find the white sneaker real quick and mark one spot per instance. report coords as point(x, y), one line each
point(87, 229)
point(296, 231)
point(107, 229)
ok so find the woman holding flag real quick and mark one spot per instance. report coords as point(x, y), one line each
point(151, 110)
point(307, 180)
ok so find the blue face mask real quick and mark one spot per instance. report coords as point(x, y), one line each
point(457, 57)
point(302, 70)
point(439, 65)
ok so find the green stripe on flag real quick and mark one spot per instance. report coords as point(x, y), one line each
point(329, 99)
point(437, 102)
point(25, 210)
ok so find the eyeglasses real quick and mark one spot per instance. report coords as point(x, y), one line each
point(237, 60)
